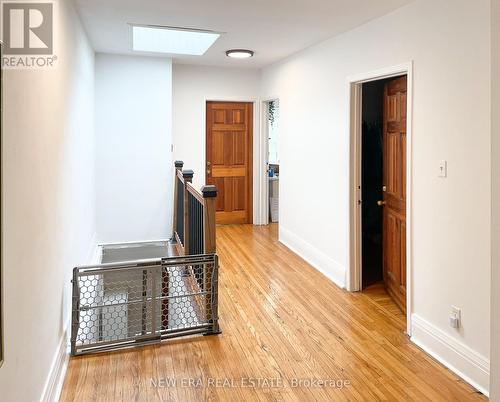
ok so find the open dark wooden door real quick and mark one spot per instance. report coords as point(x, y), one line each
point(229, 159)
point(394, 202)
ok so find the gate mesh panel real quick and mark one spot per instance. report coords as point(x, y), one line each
point(126, 304)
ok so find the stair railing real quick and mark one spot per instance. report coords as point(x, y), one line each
point(194, 214)
point(133, 303)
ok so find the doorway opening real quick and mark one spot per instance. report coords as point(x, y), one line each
point(380, 177)
point(371, 182)
point(273, 160)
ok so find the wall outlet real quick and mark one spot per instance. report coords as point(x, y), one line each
point(443, 169)
point(455, 317)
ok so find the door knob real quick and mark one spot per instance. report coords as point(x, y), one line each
point(208, 163)
point(381, 203)
point(209, 171)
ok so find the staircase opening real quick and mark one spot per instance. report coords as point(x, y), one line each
point(146, 292)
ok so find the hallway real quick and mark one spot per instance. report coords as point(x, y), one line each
point(283, 324)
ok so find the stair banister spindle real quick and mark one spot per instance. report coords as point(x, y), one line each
point(187, 175)
point(178, 167)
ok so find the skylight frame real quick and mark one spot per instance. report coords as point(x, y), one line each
point(172, 40)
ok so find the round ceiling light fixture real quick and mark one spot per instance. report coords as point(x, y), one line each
point(239, 53)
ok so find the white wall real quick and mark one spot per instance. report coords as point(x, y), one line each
point(192, 87)
point(48, 202)
point(450, 47)
point(134, 158)
point(495, 241)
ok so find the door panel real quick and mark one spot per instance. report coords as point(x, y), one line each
point(239, 194)
point(219, 202)
point(403, 260)
point(394, 221)
point(218, 148)
point(229, 159)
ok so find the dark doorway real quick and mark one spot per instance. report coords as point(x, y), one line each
point(372, 181)
point(383, 153)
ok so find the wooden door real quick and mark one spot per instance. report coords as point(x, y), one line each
point(394, 190)
point(229, 159)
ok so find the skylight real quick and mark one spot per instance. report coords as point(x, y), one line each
point(172, 40)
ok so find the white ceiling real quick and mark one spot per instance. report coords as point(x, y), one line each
point(274, 29)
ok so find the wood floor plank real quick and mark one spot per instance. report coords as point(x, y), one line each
point(282, 321)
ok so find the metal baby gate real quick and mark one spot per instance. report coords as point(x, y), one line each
point(127, 304)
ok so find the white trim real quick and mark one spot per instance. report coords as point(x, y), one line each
point(354, 277)
point(354, 83)
point(382, 73)
point(256, 190)
point(98, 249)
point(133, 242)
point(263, 160)
point(55, 380)
point(333, 270)
point(459, 358)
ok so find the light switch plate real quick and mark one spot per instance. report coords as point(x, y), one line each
point(443, 169)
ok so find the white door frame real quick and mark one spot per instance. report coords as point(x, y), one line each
point(354, 276)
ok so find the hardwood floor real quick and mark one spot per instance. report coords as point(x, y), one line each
point(282, 322)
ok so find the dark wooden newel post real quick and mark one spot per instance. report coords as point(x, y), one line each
point(209, 193)
point(209, 197)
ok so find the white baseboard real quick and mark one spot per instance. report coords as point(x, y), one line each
point(319, 260)
point(117, 243)
point(55, 380)
point(459, 358)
